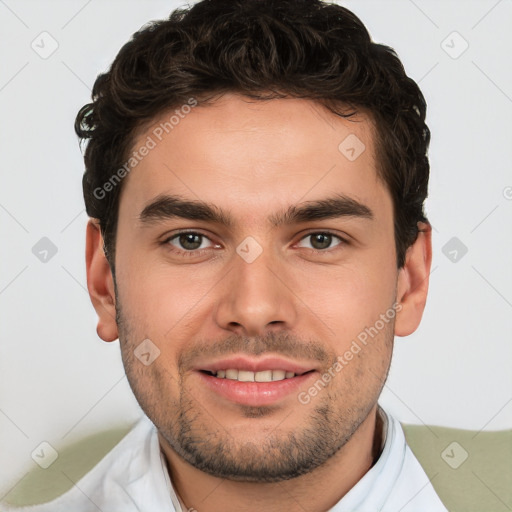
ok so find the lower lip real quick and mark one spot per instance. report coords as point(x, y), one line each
point(255, 393)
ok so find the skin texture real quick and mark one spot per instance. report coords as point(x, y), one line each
point(254, 159)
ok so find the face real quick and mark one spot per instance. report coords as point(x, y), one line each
point(264, 278)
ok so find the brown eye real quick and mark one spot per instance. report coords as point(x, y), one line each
point(190, 241)
point(322, 241)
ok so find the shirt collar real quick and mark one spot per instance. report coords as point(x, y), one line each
point(372, 491)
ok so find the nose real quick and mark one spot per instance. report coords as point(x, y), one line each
point(256, 297)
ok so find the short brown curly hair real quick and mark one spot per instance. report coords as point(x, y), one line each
point(263, 49)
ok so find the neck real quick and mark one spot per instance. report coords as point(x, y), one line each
point(318, 490)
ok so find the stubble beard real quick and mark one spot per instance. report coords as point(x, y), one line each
point(208, 445)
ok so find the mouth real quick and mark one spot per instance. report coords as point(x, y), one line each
point(255, 382)
point(250, 376)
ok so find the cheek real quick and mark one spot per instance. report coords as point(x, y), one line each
point(155, 295)
point(350, 299)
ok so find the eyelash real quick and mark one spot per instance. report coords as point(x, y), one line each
point(197, 252)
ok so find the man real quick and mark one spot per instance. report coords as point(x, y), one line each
point(255, 177)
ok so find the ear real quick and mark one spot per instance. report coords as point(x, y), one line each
point(412, 284)
point(100, 282)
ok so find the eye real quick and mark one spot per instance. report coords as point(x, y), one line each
point(322, 240)
point(192, 243)
point(187, 242)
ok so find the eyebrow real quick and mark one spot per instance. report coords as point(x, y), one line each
point(165, 207)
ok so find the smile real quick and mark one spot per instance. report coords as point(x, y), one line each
point(248, 376)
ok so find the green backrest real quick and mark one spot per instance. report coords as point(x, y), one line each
point(471, 471)
point(74, 461)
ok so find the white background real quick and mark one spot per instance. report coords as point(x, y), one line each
point(59, 381)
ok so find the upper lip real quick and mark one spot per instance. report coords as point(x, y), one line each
point(256, 365)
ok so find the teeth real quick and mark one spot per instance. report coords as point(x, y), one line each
point(232, 374)
point(278, 374)
point(247, 376)
point(265, 376)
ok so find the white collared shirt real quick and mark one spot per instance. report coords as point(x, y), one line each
point(133, 477)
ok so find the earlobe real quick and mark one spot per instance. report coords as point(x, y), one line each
point(100, 283)
point(413, 280)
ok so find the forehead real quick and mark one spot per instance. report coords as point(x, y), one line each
point(253, 155)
